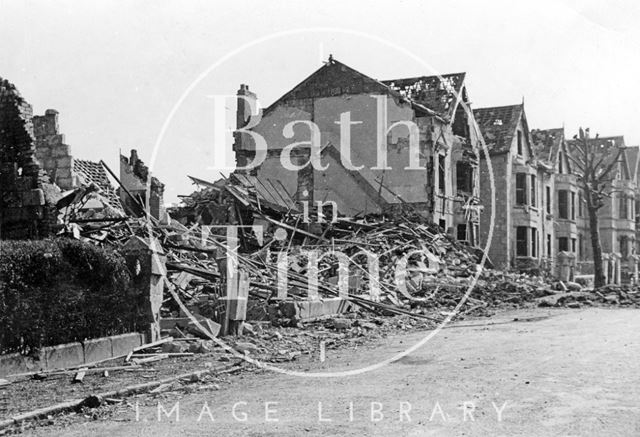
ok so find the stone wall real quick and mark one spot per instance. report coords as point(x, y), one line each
point(26, 196)
point(51, 152)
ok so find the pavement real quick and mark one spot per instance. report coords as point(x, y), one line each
point(569, 373)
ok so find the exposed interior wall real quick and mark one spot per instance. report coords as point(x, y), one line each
point(134, 176)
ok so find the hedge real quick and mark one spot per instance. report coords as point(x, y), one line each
point(62, 290)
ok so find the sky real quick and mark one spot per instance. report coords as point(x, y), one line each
point(143, 74)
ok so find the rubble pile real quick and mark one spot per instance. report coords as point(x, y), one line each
point(421, 273)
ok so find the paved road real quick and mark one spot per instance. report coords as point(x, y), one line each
point(574, 373)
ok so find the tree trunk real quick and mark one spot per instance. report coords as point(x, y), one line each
point(595, 245)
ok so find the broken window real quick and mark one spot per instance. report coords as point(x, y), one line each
point(521, 188)
point(563, 244)
point(441, 175)
point(521, 240)
point(549, 245)
point(520, 143)
point(464, 177)
point(563, 206)
point(443, 224)
point(573, 205)
point(534, 242)
point(548, 200)
point(462, 232)
point(460, 125)
point(533, 190)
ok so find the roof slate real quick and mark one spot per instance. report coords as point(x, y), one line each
point(498, 126)
point(439, 93)
point(94, 172)
point(547, 143)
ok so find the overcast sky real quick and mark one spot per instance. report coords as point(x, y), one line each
point(116, 69)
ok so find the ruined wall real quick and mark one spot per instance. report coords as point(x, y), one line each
point(51, 152)
point(26, 197)
point(350, 189)
point(134, 176)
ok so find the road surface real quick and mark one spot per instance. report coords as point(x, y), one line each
point(574, 373)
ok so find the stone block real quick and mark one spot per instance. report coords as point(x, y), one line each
point(64, 183)
point(64, 162)
point(97, 350)
point(11, 364)
point(43, 150)
point(64, 355)
point(124, 343)
point(56, 140)
point(61, 150)
point(63, 173)
point(33, 197)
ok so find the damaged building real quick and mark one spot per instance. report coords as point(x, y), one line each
point(439, 179)
point(27, 196)
point(45, 190)
point(523, 232)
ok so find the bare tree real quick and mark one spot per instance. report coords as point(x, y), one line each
point(594, 164)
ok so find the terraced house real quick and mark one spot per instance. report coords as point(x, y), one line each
point(411, 143)
point(523, 236)
point(564, 200)
point(617, 223)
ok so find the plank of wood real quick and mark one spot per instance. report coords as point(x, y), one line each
point(168, 354)
point(149, 359)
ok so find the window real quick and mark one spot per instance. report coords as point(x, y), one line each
point(573, 205)
point(624, 246)
point(548, 200)
point(462, 232)
point(549, 245)
point(624, 206)
point(521, 240)
point(443, 224)
point(580, 246)
point(563, 244)
point(520, 143)
point(534, 242)
point(563, 207)
point(464, 177)
point(533, 190)
point(573, 245)
point(441, 178)
point(579, 203)
point(521, 189)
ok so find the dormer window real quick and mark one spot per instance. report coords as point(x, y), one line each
point(520, 143)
